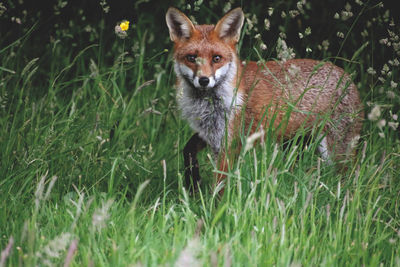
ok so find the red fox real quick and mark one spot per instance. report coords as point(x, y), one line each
point(220, 95)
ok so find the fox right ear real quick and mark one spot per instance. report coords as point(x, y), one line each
point(180, 26)
point(229, 27)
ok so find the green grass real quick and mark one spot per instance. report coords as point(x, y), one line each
point(92, 158)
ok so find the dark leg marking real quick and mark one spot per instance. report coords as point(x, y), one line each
point(192, 175)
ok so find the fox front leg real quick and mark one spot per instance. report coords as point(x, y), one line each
point(192, 175)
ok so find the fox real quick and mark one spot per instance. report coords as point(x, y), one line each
point(220, 95)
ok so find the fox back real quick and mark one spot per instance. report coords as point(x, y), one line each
point(215, 89)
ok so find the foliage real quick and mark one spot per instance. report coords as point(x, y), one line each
point(91, 141)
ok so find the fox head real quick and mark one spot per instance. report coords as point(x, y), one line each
point(205, 55)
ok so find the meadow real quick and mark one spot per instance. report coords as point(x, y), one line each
point(91, 146)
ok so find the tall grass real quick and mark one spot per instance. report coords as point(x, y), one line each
point(91, 174)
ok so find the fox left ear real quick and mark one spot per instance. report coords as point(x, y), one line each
point(230, 25)
point(180, 26)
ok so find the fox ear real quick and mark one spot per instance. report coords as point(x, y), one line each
point(230, 25)
point(180, 26)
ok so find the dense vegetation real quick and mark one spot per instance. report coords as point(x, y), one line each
point(91, 141)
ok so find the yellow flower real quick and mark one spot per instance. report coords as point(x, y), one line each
point(124, 25)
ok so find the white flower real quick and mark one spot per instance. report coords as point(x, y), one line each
point(390, 94)
point(384, 41)
point(381, 124)
point(263, 46)
point(385, 69)
point(300, 6)
point(371, 71)
point(375, 113)
point(294, 13)
point(346, 15)
point(364, 33)
point(270, 11)
point(267, 24)
point(2, 9)
point(359, 2)
point(284, 52)
point(393, 125)
point(325, 44)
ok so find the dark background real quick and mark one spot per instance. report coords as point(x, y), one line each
point(68, 20)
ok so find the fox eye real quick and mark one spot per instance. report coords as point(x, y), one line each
point(191, 58)
point(216, 58)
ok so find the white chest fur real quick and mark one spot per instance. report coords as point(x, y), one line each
point(210, 111)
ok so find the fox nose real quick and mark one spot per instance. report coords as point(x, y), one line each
point(203, 81)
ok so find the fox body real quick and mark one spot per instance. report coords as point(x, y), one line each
point(217, 93)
